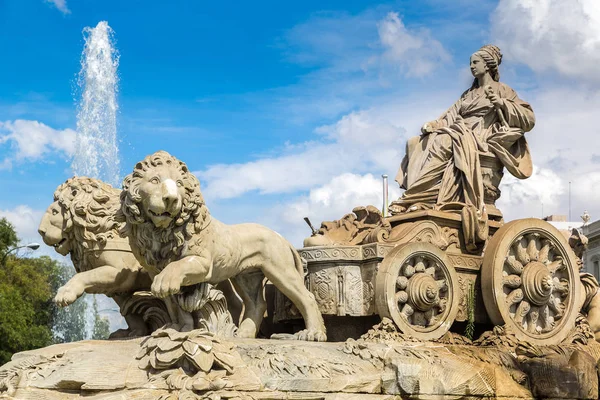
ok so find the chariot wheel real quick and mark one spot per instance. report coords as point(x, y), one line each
point(530, 281)
point(418, 289)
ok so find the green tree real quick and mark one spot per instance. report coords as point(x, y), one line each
point(8, 236)
point(26, 314)
point(28, 317)
point(101, 325)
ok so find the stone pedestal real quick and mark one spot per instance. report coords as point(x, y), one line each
point(382, 366)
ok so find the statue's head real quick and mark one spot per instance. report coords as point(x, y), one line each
point(162, 190)
point(486, 60)
point(81, 217)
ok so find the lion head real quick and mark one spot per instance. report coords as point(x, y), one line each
point(163, 206)
point(82, 217)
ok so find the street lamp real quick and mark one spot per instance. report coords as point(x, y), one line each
point(31, 246)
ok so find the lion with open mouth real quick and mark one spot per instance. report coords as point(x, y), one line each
point(80, 223)
point(173, 235)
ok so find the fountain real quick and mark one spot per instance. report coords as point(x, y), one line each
point(377, 307)
point(96, 150)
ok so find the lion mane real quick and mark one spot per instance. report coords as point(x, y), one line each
point(159, 247)
point(89, 207)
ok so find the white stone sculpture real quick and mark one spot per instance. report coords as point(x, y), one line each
point(173, 235)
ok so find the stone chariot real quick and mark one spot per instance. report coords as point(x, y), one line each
point(446, 255)
point(416, 269)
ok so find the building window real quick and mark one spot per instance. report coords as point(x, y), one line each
point(597, 269)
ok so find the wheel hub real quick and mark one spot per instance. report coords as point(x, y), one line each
point(423, 292)
point(537, 283)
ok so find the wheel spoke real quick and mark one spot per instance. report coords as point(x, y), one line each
point(546, 319)
point(556, 306)
point(407, 310)
point(521, 252)
point(401, 297)
point(401, 282)
point(512, 281)
point(561, 287)
point(409, 270)
point(544, 251)
point(429, 317)
point(532, 249)
point(418, 318)
point(514, 297)
point(533, 315)
point(522, 310)
point(420, 264)
point(556, 265)
point(442, 285)
point(514, 266)
point(441, 306)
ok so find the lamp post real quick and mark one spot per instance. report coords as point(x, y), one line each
point(31, 246)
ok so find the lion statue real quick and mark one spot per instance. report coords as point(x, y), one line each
point(172, 233)
point(81, 223)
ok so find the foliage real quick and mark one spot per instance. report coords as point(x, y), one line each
point(28, 317)
point(26, 310)
point(8, 236)
point(470, 329)
point(101, 329)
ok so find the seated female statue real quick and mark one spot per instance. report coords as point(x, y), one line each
point(442, 167)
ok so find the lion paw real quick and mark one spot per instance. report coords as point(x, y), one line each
point(308, 335)
point(311, 335)
point(166, 283)
point(66, 295)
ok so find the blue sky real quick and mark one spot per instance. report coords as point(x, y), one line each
point(293, 109)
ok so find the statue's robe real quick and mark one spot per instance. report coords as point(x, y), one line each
point(443, 167)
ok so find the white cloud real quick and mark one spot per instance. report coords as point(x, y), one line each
point(34, 140)
point(25, 220)
point(330, 201)
point(536, 196)
point(564, 147)
point(360, 141)
point(416, 52)
point(551, 35)
point(61, 5)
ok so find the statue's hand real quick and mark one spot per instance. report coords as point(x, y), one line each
point(168, 282)
point(427, 128)
point(493, 97)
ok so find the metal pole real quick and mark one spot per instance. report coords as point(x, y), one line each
point(32, 246)
point(385, 195)
point(8, 252)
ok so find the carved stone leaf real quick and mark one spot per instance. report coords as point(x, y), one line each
point(204, 343)
point(228, 361)
point(201, 360)
point(169, 357)
point(178, 379)
point(153, 362)
point(174, 335)
point(144, 362)
point(201, 384)
point(144, 350)
point(166, 344)
point(190, 348)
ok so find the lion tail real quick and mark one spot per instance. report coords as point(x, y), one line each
point(298, 261)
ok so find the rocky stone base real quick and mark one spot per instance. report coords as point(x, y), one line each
point(187, 366)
